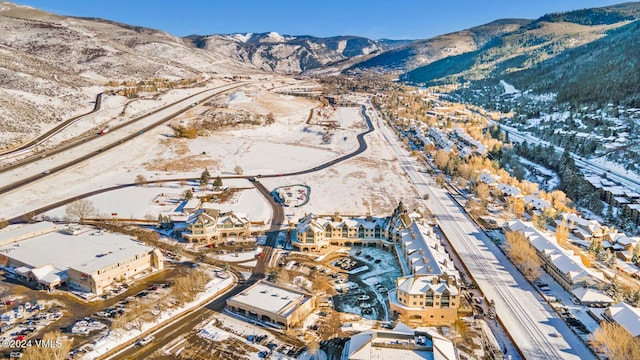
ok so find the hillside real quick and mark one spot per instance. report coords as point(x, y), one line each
point(53, 66)
point(290, 54)
point(552, 40)
point(423, 52)
point(603, 71)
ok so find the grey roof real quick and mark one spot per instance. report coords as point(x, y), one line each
point(87, 252)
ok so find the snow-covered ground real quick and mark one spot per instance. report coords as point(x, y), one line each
point(121, 336)
point(147, 202)
point(508, 88)
point(549, 185)
point(239, 256)
point(358, 185)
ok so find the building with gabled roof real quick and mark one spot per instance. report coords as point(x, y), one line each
point(428, 294)
point(564, 266)
point(314, 233)
point(209, 225)
point(626, 316)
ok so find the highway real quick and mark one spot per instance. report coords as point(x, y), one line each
point(525, 316)
point(25, 147)
point(362, 146)
point(612, 174)
point(20, 174)
point(185, 324)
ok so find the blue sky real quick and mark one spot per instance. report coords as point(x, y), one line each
point(395, 19)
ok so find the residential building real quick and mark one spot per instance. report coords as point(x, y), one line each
point(400, 343)
point(626, 316)
point(562, 264)
point(428, 293)
point(212, 226)
point(315, 233)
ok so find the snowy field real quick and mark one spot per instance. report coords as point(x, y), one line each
point(147, 202)
point(358, 185)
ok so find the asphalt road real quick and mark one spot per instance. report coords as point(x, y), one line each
point(119, 141)
point(526, 317)
point(362, 146)
point(612, 174)
point(47, 135)
point(166, 334)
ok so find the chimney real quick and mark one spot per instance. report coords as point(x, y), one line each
point(424, 259)
point(369, 217)
point(420, 251)
point(336, 217)
point(434, 280)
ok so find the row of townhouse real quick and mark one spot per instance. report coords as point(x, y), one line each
point(627, 200)
point(563, 265)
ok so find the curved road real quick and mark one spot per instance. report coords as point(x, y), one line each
point(30, 179)
point(362, 146)
point(47, 135)
point(166, 334)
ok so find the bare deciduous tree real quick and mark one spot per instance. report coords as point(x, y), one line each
point(80, 209)
point(60, 346)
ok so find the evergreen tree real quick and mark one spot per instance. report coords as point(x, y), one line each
point(205, 177)
point(217, 182)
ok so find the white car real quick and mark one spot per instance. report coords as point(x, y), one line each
point(145, 340)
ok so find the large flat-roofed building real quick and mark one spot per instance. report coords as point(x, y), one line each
point(273, 303)
point(85, 258)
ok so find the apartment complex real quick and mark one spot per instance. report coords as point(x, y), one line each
point(428, 291)
point(212, 226)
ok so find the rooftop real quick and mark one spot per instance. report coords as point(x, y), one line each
point(272, 298)
point(87, 252)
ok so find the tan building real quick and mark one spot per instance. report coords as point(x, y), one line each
point(428, 294)
point(315, 233)
point(84, 258)
point(212, 226)
point(271, 303)
point(426, 299)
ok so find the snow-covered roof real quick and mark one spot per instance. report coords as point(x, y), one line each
point(404, 343)
point(586, 295)
point(568, 264)
point(25, 231)
point(272, 298)
point(626, 316)
point(86, 252)
point(423, 252)
point(424, 284)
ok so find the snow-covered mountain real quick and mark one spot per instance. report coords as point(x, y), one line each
point(290, 54)
point(52, 66)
